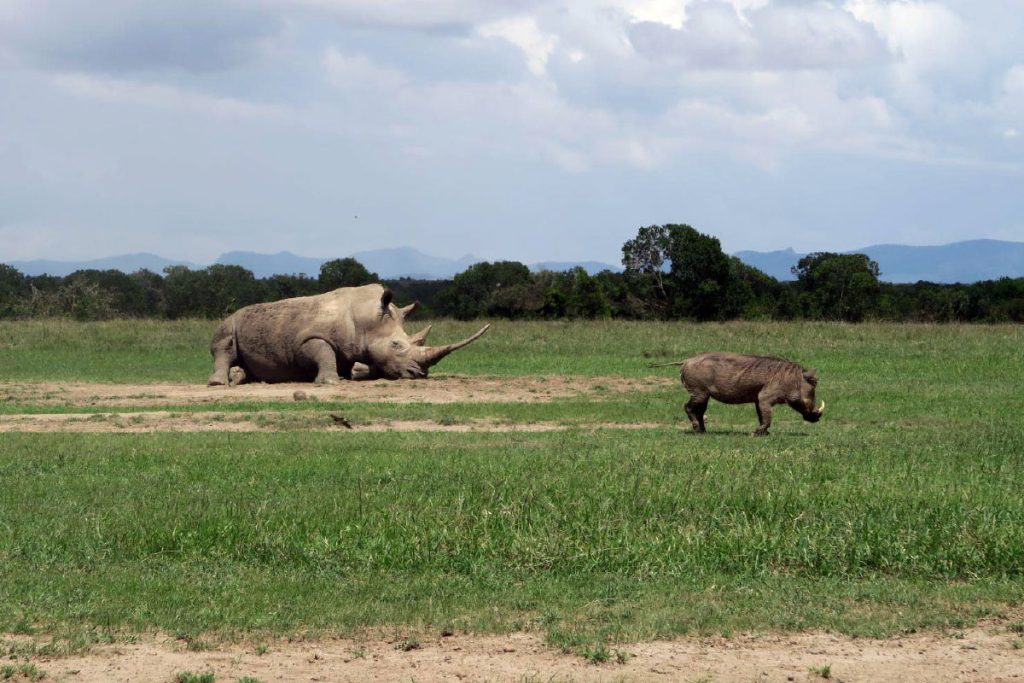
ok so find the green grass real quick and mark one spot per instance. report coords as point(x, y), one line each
point(159, 351)
point(900, 510)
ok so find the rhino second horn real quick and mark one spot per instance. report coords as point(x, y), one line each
point(420, 338)
point(433, 354)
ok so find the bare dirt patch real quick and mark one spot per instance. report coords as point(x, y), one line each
point(981, 654)
point(263, 421)
point(441, 389)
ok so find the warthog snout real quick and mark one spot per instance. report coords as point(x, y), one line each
point(815, 415)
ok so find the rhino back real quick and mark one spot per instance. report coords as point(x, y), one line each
point(269, 335)
point(737, 378)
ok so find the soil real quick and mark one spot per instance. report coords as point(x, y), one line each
point(986, 653)
point(264, 421)
point(443, 389)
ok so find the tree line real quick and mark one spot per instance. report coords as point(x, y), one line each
point(671, 272)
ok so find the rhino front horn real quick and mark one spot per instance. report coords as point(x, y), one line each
point(433, 354)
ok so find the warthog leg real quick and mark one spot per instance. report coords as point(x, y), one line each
point(321, 354)
point(695, 408)
point(764, 415)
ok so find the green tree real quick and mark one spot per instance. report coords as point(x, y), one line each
point(277, 287)
point(477, 291)
point(751, 293)
point(837, 286)
point(82, 299)
point(345, 272)
point(138, 295)
point(698, 278)
point(14, 292)
point(213, 292)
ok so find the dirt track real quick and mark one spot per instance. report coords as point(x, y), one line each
point(982, 654)
point(444, 389)
point(114, 398)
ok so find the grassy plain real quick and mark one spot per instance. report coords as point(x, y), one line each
point(900, 510)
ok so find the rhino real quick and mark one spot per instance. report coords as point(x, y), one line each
point(734, 378)
point(350, 332)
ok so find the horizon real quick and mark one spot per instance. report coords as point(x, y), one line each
point(288, 252)
point(528, 131)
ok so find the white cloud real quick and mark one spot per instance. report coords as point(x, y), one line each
point(162, 96)
point(524, 33)
point(407, 14)
point(927, 35)
point(718, 35)
point(358, 72)
point(125, 35)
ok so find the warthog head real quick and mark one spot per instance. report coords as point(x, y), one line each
point(804, 404)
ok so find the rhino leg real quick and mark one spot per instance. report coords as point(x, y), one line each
point(363, 372)
point(695, 409)
point(321, 354)
point(224, 355)
point(764, 416)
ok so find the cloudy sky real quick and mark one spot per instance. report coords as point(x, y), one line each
point(520, 129)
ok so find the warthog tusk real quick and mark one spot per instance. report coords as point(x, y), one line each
point(821, 410)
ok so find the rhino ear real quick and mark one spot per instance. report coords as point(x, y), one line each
point(406, 310)
point(811, 376)
point(385, 301)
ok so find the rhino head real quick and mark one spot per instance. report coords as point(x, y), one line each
point(804, 404)
point(394, 354)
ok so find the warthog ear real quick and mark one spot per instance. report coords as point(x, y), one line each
point(811, 376)
point(385, 301)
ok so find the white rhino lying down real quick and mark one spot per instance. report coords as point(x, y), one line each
point(734, 378)
point(351, 332)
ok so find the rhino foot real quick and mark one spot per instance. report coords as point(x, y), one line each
point(216, 381)
point(327, 379)
point(236, 376)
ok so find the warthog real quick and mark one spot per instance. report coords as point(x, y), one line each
point(764, 381)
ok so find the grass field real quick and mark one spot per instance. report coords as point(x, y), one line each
point(900, 510)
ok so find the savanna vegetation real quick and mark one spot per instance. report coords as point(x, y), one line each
point(900, 510)
point(672, 272)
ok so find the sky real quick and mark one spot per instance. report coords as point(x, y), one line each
point(507, 129)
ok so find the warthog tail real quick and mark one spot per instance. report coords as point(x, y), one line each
point(665, 365)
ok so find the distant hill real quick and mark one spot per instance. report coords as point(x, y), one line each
point(389, 264)
point(958, 262)
point(127, 263)
point(265, 265)
point(968, 261)
point(408, 262)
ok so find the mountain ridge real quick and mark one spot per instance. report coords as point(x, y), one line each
point(965, 261)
